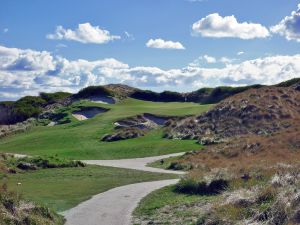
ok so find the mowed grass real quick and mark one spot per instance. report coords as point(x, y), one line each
point(81, 139)
point(61, 189)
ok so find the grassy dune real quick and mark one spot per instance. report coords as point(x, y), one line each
point(81, 139)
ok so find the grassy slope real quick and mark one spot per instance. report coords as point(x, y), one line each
point(61, 189)
point(152, 203)
point(81, 139)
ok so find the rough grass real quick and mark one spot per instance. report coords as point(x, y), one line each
point(165, 206)
point(81, 139)
point(64, 188)
point(38, 162)
point(15, 210)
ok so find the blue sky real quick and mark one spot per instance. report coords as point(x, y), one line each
point(181, 56)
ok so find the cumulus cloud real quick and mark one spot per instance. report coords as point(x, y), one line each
point(289, 26)
point(85, 33)
point(28, 72)
point(226, 60)
point(217, 26)
point(209, 59)
point(162, 44)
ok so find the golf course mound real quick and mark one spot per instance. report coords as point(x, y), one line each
point(88, 112)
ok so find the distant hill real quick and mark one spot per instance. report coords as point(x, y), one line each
point(32, 106)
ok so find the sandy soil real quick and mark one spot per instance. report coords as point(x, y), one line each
point(102, 100)
point(88, 113)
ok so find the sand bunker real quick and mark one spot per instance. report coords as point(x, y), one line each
point(144, 121)
point(159, 120)
point(88, 112)
point(103, 100)
point(52, 123)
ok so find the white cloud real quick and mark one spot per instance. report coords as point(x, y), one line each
point(289, 26)
point(85, 33)
point(240, 53)
point(217, 26)
point(209, 59)
point(226, 60)
point(28, 72)
point(5, 30)
point(162, 44)
point(60, 45)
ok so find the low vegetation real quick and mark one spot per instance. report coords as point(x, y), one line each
point(166, 206)
point(92, 91)
point(55, 97)
point(201, 187)
point(124, 134)
point(15, 210)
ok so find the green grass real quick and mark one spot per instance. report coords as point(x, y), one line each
point(166, 197)
point(63, 188)
point(81, 139)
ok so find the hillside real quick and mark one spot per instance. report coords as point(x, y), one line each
point(247, 172)
point(33, 106)
point(257, 111)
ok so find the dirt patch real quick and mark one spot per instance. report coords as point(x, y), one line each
point(88, 112)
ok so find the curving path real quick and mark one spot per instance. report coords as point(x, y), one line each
point(136, 163)
point(115, 207)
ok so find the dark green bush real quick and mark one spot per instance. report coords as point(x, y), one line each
point(288, 83)
point(51, 98)
point(29, 163)
point(92, 91)
point(166, 96)
point(24, 108)
point(179, 166)
point(191, 186)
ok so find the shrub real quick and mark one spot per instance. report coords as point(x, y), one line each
point(179, 166)
point(288, 83)
point(51, 98)
point(13, 212)
point(191, 186)
point(29, 106)
point(166, 96)
point(34, 163)
point(93, 91)
point(124, 134)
